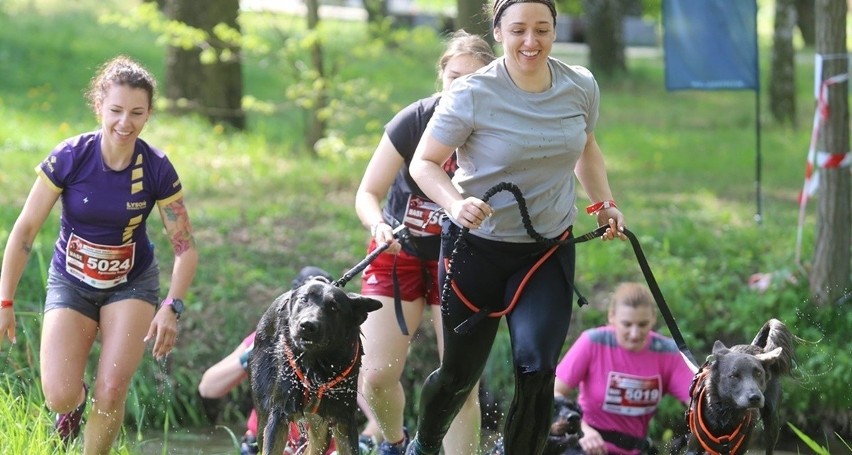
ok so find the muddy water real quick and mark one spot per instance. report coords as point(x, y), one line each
point(217, 441)
point(199, 441)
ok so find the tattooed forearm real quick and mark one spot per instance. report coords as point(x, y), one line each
point(181, 230)
point(182, 241)
point(27, 248)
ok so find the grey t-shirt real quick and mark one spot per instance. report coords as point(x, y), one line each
point(504, 134)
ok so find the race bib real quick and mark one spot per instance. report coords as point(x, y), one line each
point(99, 266)
point(422, 217)
point(631, 395)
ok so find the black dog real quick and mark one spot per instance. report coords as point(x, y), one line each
point(565, 432)
point(736, 385)
point(304, 367)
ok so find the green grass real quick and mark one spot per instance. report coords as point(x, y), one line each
point(681, 165)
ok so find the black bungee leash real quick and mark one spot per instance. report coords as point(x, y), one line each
point(548, 243)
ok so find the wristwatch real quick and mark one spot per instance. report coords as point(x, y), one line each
point(175, 304)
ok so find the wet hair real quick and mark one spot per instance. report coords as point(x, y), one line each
point(464, 43)
point(633, 295)
point(500, 6)
point(121, 70)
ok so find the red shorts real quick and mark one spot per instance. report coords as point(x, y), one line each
point(417, 277)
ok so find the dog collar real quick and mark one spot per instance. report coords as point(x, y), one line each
point(322, 388)
point(725, 444)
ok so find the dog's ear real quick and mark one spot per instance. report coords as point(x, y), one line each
point(283, 301)
point(363, 305)
point(768, 358)
point(719, 348)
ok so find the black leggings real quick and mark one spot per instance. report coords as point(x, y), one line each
point(488, 274)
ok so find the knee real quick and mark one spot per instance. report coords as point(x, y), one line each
point(110, 395)
point(456, 381)
point(62, 398)
point(377, 379)
point(542, 378)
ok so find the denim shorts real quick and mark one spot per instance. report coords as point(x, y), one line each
point(64, 293)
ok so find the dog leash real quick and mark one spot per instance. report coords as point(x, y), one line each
point(399, 232)
point(402, 233)
point(661, 302)
point(637, 250)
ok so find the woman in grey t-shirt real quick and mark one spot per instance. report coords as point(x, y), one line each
point(528, 120)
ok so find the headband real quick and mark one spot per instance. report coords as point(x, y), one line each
point(501, 5)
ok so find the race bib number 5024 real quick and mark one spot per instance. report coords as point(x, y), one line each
point(99, 266)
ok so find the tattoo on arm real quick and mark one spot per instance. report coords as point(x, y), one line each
point(181, 233)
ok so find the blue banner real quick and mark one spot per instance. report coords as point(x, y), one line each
point(711, 44)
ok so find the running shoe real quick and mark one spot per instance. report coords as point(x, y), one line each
point(366, 445)
point(68, 425)
point(387, 448)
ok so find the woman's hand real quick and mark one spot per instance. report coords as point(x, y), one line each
point(470, 212)
point(592, 442)
point(164, 330)
point(383, 233)
point(7, 324)
point(615, 220)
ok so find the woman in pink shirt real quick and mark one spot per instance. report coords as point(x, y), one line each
point(622, 370)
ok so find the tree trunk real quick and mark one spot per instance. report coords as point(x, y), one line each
point(316, 125)
point(806, 20)
point(474, 19)
point(830, 274)
point(214, 89)
point(605, 36)
point(377, 12)
point(782, 82)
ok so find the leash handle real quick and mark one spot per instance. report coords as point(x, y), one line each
point(398, 232)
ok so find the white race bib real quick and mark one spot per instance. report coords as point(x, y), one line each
point(99, 266)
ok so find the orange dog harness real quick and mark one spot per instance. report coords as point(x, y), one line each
point(725, 444)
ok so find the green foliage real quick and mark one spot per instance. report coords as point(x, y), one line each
point(813, 445)
point(346, 101)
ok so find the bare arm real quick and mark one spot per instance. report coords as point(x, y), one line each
point(179, 230)
point(561, 389)
point(222, 377)
point(377, 180)
point(427, 170)
point(591, 172)
point(36, 209)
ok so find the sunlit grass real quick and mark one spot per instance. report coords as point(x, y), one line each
point(27, 426)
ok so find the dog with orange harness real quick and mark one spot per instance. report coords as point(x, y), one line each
point(304, 367)
point(734, 388)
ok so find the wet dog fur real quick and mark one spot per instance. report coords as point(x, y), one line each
point(743, 381)
point(304, 367)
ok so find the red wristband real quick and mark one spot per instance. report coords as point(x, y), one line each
point(7, 303)
point(597, 207)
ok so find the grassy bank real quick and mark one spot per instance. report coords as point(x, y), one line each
point(682, 166)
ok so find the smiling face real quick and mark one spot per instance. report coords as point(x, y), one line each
point(123, 112)
point(527, 32)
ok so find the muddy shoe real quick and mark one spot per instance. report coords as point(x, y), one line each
point(68, 425)
point(248, 445)
point(387, 448)
point(366, 445)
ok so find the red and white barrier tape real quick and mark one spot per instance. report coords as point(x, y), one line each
point(819, 159)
